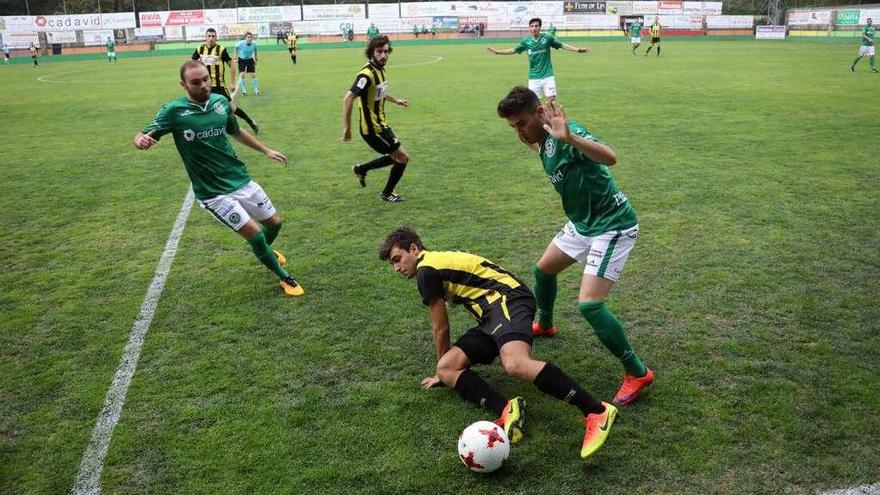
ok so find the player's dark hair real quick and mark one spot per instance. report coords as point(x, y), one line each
point(403, 238)
point(376, 43)
point(536, 19)
point(189, 64)
point(519, 99)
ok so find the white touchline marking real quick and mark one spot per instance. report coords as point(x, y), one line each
point(434, 61)
point(88, 480)
point(856, 490)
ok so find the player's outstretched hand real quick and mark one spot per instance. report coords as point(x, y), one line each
point(403, 102)
point(277, 156)
point(144, 141)
point(583, 50)
point(431, 382)
point(491, 49)
point(346, 135)
point(557, 127)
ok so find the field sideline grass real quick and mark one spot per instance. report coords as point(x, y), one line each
point(752, 292)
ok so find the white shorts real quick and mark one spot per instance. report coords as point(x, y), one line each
point(238, 207)
point(866, 51)
point(604, 254)
point(111, 54)
point(636, 41)
point(543, 87)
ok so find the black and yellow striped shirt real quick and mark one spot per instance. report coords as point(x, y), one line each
point(463, 278)
point(215, 59)
point(655, 30)
point(291, 40)
point(371, 87)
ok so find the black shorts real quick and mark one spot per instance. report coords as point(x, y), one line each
point(384, 143)
point(221, 91)
point(482, 343)
point(291, 49)
point(655, 39)
point(247, 65)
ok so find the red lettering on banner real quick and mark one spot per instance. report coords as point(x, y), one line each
point(186, 18)
point(670, 4)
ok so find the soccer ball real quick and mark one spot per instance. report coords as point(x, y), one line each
point(483, 447)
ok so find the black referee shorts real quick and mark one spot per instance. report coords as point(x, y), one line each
point(247, 65)
point(385, 142)
point(507, 321)
point(655, 39)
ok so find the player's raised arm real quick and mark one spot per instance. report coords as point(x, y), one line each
point(572, 48)
point(557, 126)
point(399, 101)
point(144, 141)
point(506, 51)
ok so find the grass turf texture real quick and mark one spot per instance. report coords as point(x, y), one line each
point(752, 292)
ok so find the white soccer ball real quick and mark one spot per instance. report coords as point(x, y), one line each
point(483, 447)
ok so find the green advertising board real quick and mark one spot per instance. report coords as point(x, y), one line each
point(847, 18)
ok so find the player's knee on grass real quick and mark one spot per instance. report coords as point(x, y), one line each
point(400, 156)
point(517, 366)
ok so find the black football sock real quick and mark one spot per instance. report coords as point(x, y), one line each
point(394, 177)
point(474, 389)
point(239, 112)
point(553, 381)
point(382, 161)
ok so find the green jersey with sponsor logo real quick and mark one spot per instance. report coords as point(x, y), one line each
point(635, 30)
point(372, 32)
point(590, 197)
point(869, 32)
point(539, 54)
point(111, 46)
point(199, 132)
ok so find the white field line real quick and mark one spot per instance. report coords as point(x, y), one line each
point(88, 480)
point(856, 490)
point(45, 78)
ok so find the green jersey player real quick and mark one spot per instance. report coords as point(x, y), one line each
point(111, 50)
point(541, 78)
point(200, 122)
point(867, 47)
point(601, 230)
point(635, 34)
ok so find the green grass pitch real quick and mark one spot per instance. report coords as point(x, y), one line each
point(752, 292)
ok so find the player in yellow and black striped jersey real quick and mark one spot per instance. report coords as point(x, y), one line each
point(655, 36)
point(291, 45)
point(504, 309)
point(370, 88)
point(216, 58)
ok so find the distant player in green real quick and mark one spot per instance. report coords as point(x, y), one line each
point(372, 31)
point(541, 78)
point(601, 230)
point(111, 50)
point(200, 123)
point(552, 30)
point(415, 31)
point(635, 34)
point(33, 50)
point(655, 36)
point(867, 47)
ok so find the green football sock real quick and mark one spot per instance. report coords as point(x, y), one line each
point(264, 253)
point(545, 295)
point(854, 62)
point(871, 61)
point(272, 232)
point(611, 334)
